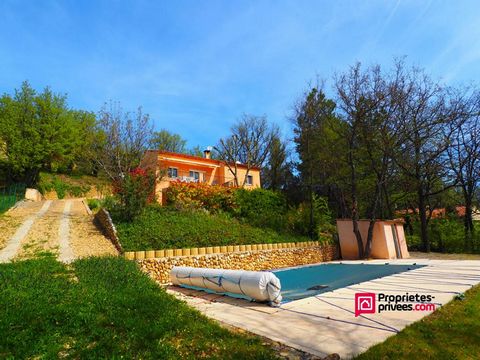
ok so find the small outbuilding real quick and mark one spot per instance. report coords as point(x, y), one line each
point(388, 240)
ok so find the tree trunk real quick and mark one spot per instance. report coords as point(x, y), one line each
point(468, 225)
point(422, 210)
point(358, 236)
point(355, 216)
point(355, 219)
point(368, 245)
point(373, 215)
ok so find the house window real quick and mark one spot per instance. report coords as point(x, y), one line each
point(195, 175)
point(172, 172)
point(249, 180)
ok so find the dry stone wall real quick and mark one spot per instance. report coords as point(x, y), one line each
point(104, 221)
point(159, 268)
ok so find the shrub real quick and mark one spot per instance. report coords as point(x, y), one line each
point(446, 235)
point(164, 227)
point(298, 219)
point(50, 182)
point(60, 188)
point(262, 208)
point(213, 198)
point(93, 204)
point(134, 191)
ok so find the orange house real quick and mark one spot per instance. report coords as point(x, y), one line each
point(169, 166)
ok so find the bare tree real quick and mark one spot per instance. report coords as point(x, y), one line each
point(464, 157)
point(361, 100)
point(249, 144)
point(424, 112)
point(125, 138)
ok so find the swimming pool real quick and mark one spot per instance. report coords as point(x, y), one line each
point(301, 282)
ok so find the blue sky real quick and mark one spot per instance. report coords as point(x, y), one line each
point(196, 66)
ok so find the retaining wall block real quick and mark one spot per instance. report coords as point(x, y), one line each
point(130, 255)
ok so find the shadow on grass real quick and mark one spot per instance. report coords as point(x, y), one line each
point(104, 308)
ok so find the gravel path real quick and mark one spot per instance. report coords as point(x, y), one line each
point(10, 251)
point(43, 235)
point(86, 239)
point(66, 253)
point(62, 227)
point(12, 219)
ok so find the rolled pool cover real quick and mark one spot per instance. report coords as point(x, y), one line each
point(261, 286)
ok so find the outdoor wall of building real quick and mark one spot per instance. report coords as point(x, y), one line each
point(383, 245)
point(241, 172)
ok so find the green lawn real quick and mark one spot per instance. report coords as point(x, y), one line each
point(452, 332)
point(166, 228)
point(105, 308)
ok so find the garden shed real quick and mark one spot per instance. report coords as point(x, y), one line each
point(388, 239)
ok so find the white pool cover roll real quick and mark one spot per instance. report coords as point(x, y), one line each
point(258, 285)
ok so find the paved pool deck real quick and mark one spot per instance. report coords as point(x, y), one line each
point(326, 323)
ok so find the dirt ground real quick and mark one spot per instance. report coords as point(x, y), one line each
point(85, 238)
point(13, 218)
point(43, 235)
point(82, 236)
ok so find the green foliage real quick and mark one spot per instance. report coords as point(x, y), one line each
point(213, 198)
point(39, 131)
point(447, 235)
point(261, 208)
point(277, 172)
point(167, 141)
point(63, 185)
point(166, 228)
point(10, 195)
point(100, 308)
point(94, 204)
point(258, 208)
point(134, 191)
point(299, 221)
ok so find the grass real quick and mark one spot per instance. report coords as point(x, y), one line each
point(166, 228)
point(72, 185)
point(452, 332)
point(105, 308)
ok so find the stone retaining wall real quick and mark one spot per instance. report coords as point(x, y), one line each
point(104, 221)
point(159, 268)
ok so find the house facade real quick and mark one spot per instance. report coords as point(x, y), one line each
point(169, 166)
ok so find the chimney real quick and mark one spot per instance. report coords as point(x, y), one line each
point(207, 152)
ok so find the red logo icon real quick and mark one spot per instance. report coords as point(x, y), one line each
point(364, 303)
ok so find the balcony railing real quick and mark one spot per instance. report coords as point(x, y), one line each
point(195, 177)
